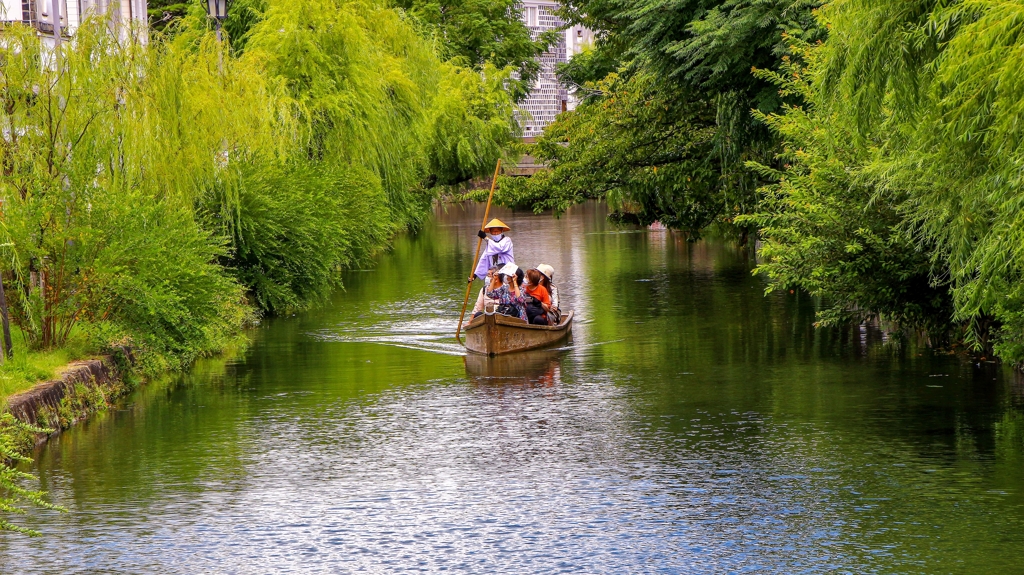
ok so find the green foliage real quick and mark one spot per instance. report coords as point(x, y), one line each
point(586, 70)
point(471, 125)
point(86, 235)
point(13, 493)
point(676, 109)
point(163, 13)
point(243, 15)
point(195, 168)
point(170, 297)
point(361, 81)
point(648, 155)
point(826, 230)
point(934, 93)
point(294, 226)
point(477, 33)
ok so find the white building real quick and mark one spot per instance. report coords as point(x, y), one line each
point(40, 14)
point(548, 97)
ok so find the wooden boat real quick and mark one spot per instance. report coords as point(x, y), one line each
point(495, 334)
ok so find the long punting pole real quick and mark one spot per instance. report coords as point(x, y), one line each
point(479, 242)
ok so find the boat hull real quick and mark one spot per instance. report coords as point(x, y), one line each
point(497, 334)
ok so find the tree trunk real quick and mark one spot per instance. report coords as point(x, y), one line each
point(8, 350)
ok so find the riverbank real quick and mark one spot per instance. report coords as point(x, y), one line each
point(32, 416)
point(27, 368)
point(80, 388)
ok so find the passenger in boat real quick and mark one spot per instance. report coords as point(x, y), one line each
point(484, 303)
point(538, 301)
point(554, 311)
point(509, 295)
point(498, 249)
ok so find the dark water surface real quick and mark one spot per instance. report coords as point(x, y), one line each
point(693, 426)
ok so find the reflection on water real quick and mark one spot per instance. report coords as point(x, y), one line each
point(692, 426)
point(541, 367)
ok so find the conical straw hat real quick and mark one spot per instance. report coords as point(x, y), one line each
point(496, 223)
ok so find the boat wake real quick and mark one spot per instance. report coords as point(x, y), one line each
point(435, 335)
point(430, 343)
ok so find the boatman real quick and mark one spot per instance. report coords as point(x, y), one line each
point(498, 251)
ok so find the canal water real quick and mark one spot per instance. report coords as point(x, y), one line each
point(693, 425)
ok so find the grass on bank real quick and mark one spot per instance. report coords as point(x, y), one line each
point(28, 368)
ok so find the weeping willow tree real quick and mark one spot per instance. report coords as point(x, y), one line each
point(824, 225)
point(98, 233)
point(380, 123)
point(162, 196)
point(361, 81)
point(470, 125)
point(925, 99)
point(293, 158)
point(943, 82)
point(272, 168)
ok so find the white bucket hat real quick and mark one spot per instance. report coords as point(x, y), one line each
point(509, 269)
point(547, 270)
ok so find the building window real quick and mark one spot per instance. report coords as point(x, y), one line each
point(531, 15)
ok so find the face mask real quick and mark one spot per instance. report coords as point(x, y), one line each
point(497, 237)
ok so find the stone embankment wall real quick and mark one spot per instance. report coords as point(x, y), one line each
point(83, 388)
